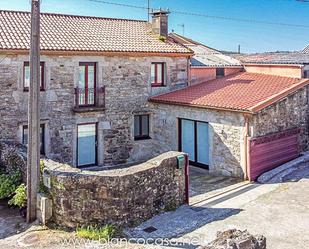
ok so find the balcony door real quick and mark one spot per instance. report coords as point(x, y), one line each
point(86, 91)
point(194, 140)
point(86, 145)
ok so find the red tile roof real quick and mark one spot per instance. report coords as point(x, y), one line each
point(248, 92)
point(80, 33)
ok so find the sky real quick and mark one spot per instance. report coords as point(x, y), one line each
point(217, 33)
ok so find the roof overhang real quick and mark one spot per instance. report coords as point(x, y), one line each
point(299, 65)
point(200, 106)
point(97, 53)
point(216, 66)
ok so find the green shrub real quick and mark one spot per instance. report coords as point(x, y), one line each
point(20, 197)
point(96, 233)
point(9, 183)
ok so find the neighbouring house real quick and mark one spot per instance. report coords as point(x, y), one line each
point(96, 77)
point(290, 64)
point(207, 63)
point(240, 125)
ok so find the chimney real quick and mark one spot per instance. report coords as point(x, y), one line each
point(160, 22)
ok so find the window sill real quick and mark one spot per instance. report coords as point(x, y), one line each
point(81, 109)
point(141, 138)
point(157, 85)
point(27, 90)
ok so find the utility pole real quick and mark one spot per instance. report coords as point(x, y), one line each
point(33, 157)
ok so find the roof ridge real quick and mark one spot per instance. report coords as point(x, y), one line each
point(75, 15)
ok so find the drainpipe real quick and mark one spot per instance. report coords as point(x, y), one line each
point(189, 71)
point(247, 146)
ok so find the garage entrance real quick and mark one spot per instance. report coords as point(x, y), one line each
point(194, 140)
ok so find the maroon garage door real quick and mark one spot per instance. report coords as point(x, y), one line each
point(270, 151)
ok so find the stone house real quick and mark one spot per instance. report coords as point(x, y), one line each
point(240, 125)
point(207, 63)
point(96, 77)
point(115, 91)
point(290, 64)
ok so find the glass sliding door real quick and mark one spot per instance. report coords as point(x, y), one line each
point(194, 140)
point(202, 143)
point(187, 138)
point(86, 144)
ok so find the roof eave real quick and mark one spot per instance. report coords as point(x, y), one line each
point(273, 64)
point(200, 106)
point(99, 53)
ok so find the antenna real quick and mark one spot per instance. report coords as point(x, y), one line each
point(183, 28)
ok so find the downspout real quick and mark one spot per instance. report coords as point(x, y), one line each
point(189, 71)
point(247, 146)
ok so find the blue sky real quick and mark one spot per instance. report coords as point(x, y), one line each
point(220, 34)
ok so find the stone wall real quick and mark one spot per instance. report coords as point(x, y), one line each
point(290, 112)
point(127, 82)
point(124, 196)
point(226, 135)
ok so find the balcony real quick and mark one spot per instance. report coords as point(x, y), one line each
point(89, 99)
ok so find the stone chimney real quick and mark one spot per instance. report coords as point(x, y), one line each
point(160, 22)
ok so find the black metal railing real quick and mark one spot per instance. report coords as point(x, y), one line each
point(90, 97)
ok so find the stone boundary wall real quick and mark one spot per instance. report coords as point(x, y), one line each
point(124, 196)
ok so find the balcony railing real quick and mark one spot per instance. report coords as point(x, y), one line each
point(89, 99)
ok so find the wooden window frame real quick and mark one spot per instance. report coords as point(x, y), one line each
point(87, 64)
point(220, 69)
point(140, 136)
point(42, 147)
point(156, 83)
point(42, 69)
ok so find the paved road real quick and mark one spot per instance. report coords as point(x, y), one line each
point(278, 211)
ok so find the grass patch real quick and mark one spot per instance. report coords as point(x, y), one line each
point(96, 233)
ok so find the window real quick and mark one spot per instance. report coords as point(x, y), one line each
point(42, 136)
point(306, 74)
point(27, 76)
point(157, 74)
point(220, 72)
point(141, 127)
point(86, 84)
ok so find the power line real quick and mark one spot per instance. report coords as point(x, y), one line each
point(208, 16)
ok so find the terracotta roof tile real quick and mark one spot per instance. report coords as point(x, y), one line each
point(79, 33)
point(241, 92)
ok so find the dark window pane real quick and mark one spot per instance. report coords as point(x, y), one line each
point(145, 125)
point(219, 72)
point(136, 126)
point(26, 137)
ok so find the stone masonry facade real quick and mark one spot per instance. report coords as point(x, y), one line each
point(127, 85)
point(226, 135)
point(290, 112)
